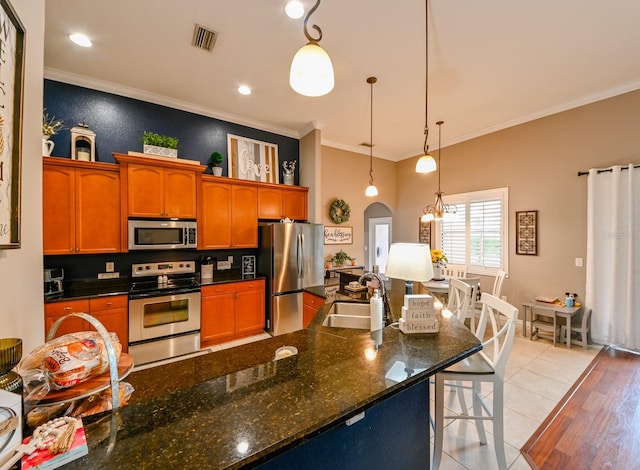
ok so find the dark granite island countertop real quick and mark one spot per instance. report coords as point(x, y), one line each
point(238, 407)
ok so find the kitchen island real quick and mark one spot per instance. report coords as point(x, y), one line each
point(240, 407)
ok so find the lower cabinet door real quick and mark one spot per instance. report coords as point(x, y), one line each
point(250, 307)
point(218, 318)
point(115, 320)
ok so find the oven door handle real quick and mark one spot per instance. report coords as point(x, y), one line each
point(146, 295)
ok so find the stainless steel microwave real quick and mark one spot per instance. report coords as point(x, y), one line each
point(152, 234)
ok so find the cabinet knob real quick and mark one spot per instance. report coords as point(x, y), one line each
point(109, 304)
point(67, 308)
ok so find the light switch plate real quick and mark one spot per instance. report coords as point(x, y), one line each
point(579, 262)
point(223, 265)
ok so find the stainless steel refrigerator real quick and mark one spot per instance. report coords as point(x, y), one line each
point(291, 255)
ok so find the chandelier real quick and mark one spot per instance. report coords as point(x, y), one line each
point(438, 210)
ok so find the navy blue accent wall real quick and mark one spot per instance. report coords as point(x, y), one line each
point(119, 122)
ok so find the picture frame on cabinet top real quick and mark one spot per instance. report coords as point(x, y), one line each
point(11, 99)
point(252, 160)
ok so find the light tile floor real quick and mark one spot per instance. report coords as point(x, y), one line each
point(537, 377)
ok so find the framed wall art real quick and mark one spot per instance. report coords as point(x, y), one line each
point(424, 232)
point(338, 235)
point(527, 233)
point(252, 160)
point(11, 84)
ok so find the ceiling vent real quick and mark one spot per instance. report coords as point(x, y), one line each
point(204, 38)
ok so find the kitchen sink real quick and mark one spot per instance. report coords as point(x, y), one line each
point(349, 315)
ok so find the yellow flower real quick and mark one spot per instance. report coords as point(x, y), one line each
point(437, 256)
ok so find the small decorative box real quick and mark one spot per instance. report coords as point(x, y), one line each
point(418, 301)
point(426, 326)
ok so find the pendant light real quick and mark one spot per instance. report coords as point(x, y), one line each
point(438, 210)
point(426, 163)
point(311, 71)
point(371, 189)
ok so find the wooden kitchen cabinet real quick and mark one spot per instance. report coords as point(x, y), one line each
point(230, 311)
point(159, 188)
point(81, 207)
point(227, 215)
point(217, 307)
point(311, 305)
point(276, 202)
point(111, 311)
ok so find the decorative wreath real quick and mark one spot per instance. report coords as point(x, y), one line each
point(339, 211)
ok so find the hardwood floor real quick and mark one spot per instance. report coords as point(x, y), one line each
point(597, 423)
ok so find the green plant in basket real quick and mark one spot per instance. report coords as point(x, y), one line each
point(151, 138)
point(340, 258)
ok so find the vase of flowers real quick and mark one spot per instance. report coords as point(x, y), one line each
point(50, 126)
point(288, 169)
point(438, 259)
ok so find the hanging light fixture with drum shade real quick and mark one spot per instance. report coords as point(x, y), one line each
point(426, 163)
point(311, 71)
point(438, 210)
point(371, 190)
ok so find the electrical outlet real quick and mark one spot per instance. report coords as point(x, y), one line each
point(108, 275)
point(110, 267)
point(579, 262)
point(230, 260)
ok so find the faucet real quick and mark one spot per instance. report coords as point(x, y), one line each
point(383, 293)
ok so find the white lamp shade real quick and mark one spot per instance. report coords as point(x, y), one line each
point(426, 164)
point(371, 191)
point(409, 261)
point(311, 71)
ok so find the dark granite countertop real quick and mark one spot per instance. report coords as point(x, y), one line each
point(203, 412)
point(315, 290)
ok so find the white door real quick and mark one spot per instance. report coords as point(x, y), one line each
point(379, 241)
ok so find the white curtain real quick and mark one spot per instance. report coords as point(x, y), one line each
point(613, 256)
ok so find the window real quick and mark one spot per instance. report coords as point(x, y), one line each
point(478, 235)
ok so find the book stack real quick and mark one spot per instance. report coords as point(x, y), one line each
point(43, 459)
point(418, 315)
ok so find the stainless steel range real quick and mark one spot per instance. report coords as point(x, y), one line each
point(164, 311)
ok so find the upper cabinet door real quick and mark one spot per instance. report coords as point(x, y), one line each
point(214, 229)
point(145, 187)
point(244, 217)
point(294, 204)
point(58, 210)
point(180, 193)
point(98, 222)
point(270, 203)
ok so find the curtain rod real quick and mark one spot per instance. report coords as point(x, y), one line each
point(608, 170)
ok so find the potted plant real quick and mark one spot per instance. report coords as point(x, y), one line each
point(156, 144)
point(50, 126)
point(214, 163)
point(438, 259)
point(340, 258)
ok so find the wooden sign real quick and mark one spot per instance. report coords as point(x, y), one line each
point(338, 235)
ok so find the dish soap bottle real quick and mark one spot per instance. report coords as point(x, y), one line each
point(377, 311)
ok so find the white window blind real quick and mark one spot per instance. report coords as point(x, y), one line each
point(477, 236)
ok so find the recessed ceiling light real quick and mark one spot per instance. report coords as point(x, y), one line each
point(80, 39)
point(294, 9)
point(244, 90)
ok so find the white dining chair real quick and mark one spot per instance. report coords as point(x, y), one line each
point(497, 283)
point(485, 366)
point(472, 312)
point(459, 297)
point(454, 270)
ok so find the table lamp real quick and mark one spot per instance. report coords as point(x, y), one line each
point(411, 262)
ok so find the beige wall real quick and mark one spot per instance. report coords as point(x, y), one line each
point(539, 162)
point(21, 310)
point(345, 175)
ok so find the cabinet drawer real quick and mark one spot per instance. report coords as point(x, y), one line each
point(108, 303)
point(63, 308)
point(218, 289)
point(249, 285)
point(311, 300)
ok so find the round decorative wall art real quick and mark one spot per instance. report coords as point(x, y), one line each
point(339, 211)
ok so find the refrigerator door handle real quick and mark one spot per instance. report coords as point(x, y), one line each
point(301, 255)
